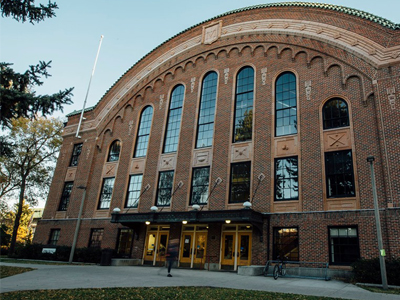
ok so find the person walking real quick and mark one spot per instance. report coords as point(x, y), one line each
point(172, 253)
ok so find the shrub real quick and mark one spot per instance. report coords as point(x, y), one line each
point(369, 271)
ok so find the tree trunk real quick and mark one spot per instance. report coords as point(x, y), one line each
point(17, 218)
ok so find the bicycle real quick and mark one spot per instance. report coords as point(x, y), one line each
point(280, 268)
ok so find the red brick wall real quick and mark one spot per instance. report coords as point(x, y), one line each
point(333, 71)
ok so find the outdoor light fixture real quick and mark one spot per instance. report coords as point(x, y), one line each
point(184, 222)
point(116, 210)
point(196, 207)
point(247, 204)
point(228, 221)
point(147, 222)
point(154, 208)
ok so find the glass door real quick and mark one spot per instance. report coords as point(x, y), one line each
point(186, 251)
point(161, 248)
point(228, 248)
point(244, 252)
point(200, 248)
point(156, 245)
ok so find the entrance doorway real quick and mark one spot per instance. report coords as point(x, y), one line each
point(193, 246)
point(156, 245)
point(236, 246)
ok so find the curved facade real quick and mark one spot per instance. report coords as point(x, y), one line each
point(245, 137)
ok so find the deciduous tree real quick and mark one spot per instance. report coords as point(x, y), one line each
point(34, 148)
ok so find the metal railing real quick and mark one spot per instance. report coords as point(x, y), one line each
point(303, 269)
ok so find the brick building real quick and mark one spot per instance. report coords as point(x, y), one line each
point(245, 137)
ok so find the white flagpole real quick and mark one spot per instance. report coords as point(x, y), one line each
point(87, 92)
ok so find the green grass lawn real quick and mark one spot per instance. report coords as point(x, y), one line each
point(6, 271)
point(175, 293)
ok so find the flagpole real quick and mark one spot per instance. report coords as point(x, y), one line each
point(87, 92)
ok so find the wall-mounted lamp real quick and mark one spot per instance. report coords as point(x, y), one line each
point(196, 207)
point(116, 210)
point(154, 208)
point(228, 221)
point(184, 222)
point(247, 204)
point(147, 222)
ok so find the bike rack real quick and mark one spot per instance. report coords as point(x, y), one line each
point(302, 264)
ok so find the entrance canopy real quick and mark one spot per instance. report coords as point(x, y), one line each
point(214, 216)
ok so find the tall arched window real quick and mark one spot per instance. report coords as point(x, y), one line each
point(143, 134)
point(205, 126)
point(174, 119)
point(335, 114)
point(115, 148)
point(285, 104)
point(243, 127)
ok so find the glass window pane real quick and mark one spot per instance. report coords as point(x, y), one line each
point(286, 105)
point(143, 132)
point(286, 179)
point(207, 111)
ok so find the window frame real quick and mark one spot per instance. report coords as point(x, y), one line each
point(103, 193)
point(285, 179)
point(143, 133)
point(238, 118)
point(54, 236)
point(288, 108)
point(193, 187)
point(233, 196)
point(76, 152)
point(204, 103)
point(160, 190)
point(65, 198)
point(113, 155)
point(172, 134)
point(134, 191)
point(339, 119)
point(118, 244)
point(329, 175)
point(356, 245)
point(98, 239)
point(275, 244)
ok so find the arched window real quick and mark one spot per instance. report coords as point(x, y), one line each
point(335, 114)
point(205, 126)
point(174, 119)
point(115, 148)
point(243, 127)
point(285, 105)
point(143, 134)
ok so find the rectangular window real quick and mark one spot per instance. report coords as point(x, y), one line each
point(286, 179)
point(96, 235)
point(125, 242)
point(164, 189)
point(135, 185)
point(344, 248)
point(106, 193)
point(65, 196)
point(200, 182)
point(54, 236)
point(339, 174)
point(286, 243)
point(240, 182)
point(75, 155)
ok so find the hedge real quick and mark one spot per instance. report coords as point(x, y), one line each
point(369, 271)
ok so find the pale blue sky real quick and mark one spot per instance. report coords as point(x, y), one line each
point(131, 29)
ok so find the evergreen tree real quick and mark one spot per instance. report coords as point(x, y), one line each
point(25, 10)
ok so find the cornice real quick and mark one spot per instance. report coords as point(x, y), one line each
point(373, 53)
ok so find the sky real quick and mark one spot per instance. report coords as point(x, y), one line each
point(131, 29)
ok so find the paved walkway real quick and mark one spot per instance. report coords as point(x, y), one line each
point(94, 276)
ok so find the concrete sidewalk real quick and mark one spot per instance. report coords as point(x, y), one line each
point(94, 276)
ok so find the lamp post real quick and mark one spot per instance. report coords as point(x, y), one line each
point(78, 223)
point(382, 254)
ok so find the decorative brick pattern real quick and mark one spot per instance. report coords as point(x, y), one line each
point(332, 54)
